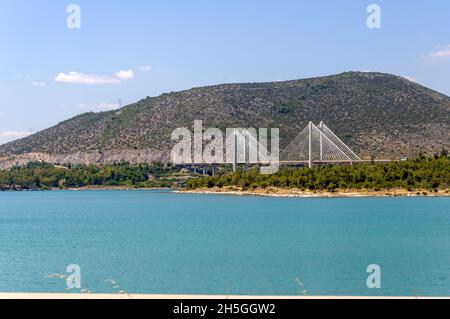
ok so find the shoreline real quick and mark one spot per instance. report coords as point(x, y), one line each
point(296, 193)
point(259, 192)
point(91, 188)
point(111, 188)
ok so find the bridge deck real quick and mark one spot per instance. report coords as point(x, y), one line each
point(297, 162)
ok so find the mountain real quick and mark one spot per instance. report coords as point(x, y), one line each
point(377, 113)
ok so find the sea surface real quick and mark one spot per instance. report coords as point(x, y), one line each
point(161, 242)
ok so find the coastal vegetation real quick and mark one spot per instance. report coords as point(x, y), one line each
point(422, 173)
point(429, 174)
point(41, 176)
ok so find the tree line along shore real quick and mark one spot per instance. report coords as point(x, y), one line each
point(45, 176)
point(431, 174)
point(422, 173)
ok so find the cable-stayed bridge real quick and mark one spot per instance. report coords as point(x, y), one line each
point(318, 144)
point(313, 145)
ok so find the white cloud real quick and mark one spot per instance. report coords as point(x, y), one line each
point(100, 107)
point(125, 75)
point(145, 68)
point(13, 135)
point(22, 77)
point(440, 54)
point(39, 84)
point(409, 78)
point(443, 53)
point(82, 78)
point(2, 114)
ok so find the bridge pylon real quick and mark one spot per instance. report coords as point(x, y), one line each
point(319, 144)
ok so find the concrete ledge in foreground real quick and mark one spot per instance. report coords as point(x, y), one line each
point(44, 296)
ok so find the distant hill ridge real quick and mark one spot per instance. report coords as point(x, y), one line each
point(378, 113)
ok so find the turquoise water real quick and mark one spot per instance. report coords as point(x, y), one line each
point(162, 242)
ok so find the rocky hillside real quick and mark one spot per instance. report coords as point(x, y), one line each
point(372, 112)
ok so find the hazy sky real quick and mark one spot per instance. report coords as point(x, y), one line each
point(132, 49)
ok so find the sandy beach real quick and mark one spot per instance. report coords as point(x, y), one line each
point(282, 192)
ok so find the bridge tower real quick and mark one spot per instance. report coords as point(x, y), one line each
point(318, 144)
point(321, 142)
point(310, 155)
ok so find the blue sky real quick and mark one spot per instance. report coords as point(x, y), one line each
point(132, 49)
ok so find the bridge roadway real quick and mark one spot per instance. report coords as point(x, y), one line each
point(210, 168)
point(296, 162)
point(337, 161)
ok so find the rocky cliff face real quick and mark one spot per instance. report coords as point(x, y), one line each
point(372, 112)
point(107, 157)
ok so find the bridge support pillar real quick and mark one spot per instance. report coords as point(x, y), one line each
point(310, 161)
point(321, 141)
